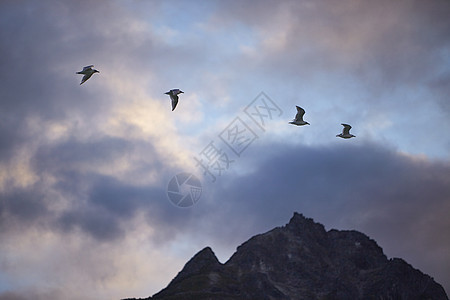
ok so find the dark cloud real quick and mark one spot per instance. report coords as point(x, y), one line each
point(110, 204)
point(11, 136)
point(100, 203)
point(97, 222)
point(72, 153)
point(25, 205)
point(119, 199)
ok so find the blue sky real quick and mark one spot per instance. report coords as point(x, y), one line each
point(84, 169)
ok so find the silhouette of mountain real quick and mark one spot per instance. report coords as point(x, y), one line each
point(302, 261)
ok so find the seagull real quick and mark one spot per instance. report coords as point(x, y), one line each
point(299, 117)
point(174, 96)
point(87, 72)
point(346, 132)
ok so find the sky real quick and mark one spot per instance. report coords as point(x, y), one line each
point(85, 211)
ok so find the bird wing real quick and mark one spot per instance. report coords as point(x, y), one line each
point(174, 101)
point(87, 68)
point(86, 77)
point(300, 113)
point(346, 129)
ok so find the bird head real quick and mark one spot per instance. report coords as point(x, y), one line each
point(96, 71)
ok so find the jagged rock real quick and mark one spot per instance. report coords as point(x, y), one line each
point(302, 261)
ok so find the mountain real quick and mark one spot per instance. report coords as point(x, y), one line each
point(302, 261)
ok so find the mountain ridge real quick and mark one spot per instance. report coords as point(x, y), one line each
point(301, 260)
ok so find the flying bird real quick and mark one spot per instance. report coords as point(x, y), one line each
point(174, 96)
point(346, 132)
point(87, 72)
point(299, 117)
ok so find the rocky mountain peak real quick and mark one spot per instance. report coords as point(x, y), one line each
point(304, 227)
point(300, 219)
point(205, 259)
point(302, 261)
point(203, 262)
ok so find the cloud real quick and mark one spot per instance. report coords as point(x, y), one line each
point(110, 203)
point(347, 38)
point(37, 261)
point(84, 169)
point(31, 293)
point(25, 205)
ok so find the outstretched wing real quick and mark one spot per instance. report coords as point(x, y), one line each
point(346, 129)
point(174, 100)
point(86, 77)
point(300, 113)
point(87, 68)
